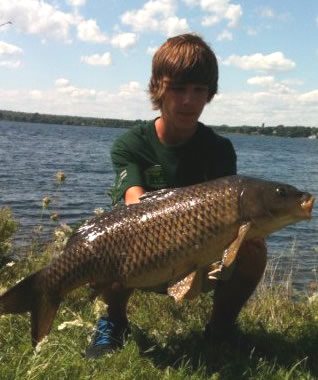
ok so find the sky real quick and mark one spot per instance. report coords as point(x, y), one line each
point(93, 57)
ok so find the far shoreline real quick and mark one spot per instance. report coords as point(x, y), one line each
point(279, 130)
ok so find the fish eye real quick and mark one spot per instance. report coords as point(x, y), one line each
point(281, 191)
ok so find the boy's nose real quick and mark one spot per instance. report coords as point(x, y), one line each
point(188, 96)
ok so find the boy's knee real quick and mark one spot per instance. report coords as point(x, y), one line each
point(252, 257)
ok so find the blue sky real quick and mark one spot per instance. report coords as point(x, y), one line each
point(93, 58)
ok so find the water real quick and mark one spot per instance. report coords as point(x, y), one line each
point(32, 154)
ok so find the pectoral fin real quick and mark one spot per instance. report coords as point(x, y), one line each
point(223, 270)
point(193, 284)
point(215, 270)
point(188, 288)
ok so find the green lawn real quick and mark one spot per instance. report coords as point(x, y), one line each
point(167, 340)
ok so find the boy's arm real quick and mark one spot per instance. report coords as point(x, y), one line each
point(129, 181)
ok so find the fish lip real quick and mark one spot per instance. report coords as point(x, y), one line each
point(307, 206)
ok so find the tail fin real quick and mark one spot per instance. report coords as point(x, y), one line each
point(18, 299)
point(29, 296)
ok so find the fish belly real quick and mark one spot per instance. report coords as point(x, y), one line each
point(179, 264)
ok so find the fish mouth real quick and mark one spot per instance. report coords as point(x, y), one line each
point(307, 206)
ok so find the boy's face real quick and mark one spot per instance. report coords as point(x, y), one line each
point(183, 103)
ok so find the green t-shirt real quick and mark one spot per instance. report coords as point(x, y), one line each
point(139, 159)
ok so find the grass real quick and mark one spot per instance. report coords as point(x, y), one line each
point(8, 227)
point(167, 340)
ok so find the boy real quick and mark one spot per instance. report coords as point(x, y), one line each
point(176, 150)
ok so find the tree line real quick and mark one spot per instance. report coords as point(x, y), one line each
point(36, 117)
point(279, 130)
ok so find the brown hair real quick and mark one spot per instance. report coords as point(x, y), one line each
point(186, 59)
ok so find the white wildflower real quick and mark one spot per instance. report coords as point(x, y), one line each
point(99, 211)
point(40, 344)
point(38, 229)
point(66, 324)
point(60, 177)
point(66, 229)
point(54, 217)
point(313, 298)
point(98, 308)
point(45, 202)
point(2, 289)
point(59, 234)
point(62, 235)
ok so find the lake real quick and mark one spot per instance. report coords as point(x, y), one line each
point(32, 154)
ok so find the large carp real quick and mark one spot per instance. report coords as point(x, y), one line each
point(168, 236)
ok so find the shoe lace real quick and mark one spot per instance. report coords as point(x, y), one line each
point(104, 333)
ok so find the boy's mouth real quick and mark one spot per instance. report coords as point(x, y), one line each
point(187, 114)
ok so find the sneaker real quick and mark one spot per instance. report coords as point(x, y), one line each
point(107, 338)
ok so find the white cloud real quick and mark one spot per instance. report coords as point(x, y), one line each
point(62, 82)
point(38, 17)
point(124, 40)
point(210, 20)
point(7, 54)
point(309, 97)
point(9, 49)
point(267, 13)
point(269, 82)
point(174, 25)
point(192, 3)
point(270, 107)
point(251, 31)
point(225, 35)
point(152, 49)
point(130, 89)
point(65, 98)
point(10, 64)
point(275, 61)
point(64, 88)
point(217, 11)
point(233, 14)
point(261, 80)
point(76, 3)
point(47, 21)
point(293, 82)
point(36, 94)
point(97, 59)
point(156, 15)
point(83, 92)
point(88, 30)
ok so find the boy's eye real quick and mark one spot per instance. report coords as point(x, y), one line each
point(180, 88)
point(201, 89)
